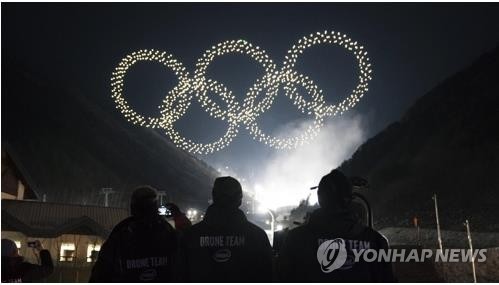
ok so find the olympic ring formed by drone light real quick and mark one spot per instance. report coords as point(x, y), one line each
point(178, 100)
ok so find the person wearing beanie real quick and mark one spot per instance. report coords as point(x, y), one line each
point(224, 246)
point(15, 269)
point(305, 255)
point(140, 248)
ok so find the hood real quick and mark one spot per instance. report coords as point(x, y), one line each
point(322, 220)
point(133, 223)
point(224, 217)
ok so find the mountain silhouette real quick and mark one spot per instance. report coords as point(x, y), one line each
point(447, 143)
point(73, 146)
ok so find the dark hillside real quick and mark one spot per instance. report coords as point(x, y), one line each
point(446, 143)
point(72, 146)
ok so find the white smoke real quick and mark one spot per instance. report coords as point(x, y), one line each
point(286, 177)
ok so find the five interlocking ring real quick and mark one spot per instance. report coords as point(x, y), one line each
point(178, 99)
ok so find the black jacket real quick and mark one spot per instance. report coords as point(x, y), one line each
point(14, 269)
point(299, 261)
point(137, 250)
point(224, 247)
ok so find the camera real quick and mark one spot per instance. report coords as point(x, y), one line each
point(165, 211)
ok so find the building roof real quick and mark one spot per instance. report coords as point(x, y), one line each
point(13, 170)
point(39, 219)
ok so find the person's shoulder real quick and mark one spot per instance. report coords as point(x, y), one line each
point(25, 266)
point(123, 224)
point(252, 228)
point(376, 236)
point(120, 227)
point(164, 223)
point(371, 232)
point(162, 227)
point(295, 237)
point(299, 230)
point(195, 229)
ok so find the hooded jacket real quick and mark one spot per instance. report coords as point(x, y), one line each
point(15, 269)
point(139, 249)
point(224, 247)
point(300, 252)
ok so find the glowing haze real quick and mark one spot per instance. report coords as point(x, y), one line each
point(286, 177)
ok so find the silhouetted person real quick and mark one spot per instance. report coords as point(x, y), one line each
point(140, 248)
point(301, 258)
point(15, 269)
point(179, 218)
point(224, 246)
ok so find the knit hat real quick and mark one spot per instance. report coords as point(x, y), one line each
point(227, 192)
point(335, 190)
point(144, 201)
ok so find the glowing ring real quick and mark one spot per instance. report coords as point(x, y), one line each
point(117, 82)
point(341, 40)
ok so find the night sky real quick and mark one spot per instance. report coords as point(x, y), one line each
point(412, 47)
